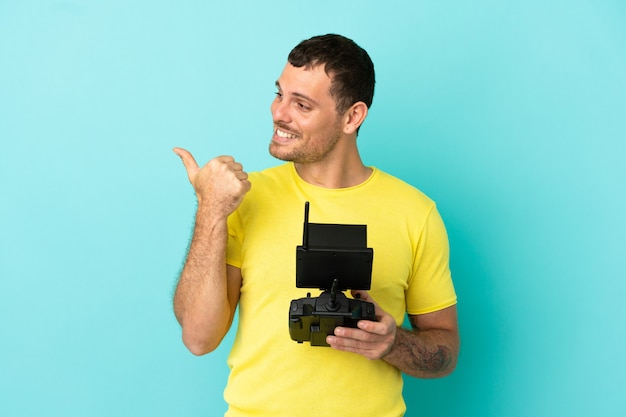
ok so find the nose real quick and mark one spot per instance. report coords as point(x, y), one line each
point(280, 110)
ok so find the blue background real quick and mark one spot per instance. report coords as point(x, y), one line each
point(511, 115)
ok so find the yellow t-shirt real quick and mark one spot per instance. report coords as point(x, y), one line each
point(272, 375)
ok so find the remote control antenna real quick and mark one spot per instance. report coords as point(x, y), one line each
point(305, 234)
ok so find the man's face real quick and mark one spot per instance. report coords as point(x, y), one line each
point(306, 124)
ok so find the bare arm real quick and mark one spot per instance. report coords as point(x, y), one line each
point(208, 290)
point(429, 350)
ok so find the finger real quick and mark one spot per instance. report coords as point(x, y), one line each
point(188, 161)
point(365, 296)
point(362, 295)
point(360, 347)
point(241, 175)
point(225, 158)
point(383, 327)
point(348, 332)
point(385, 320)
point(236, 168)
point(233, 165)
point(247, 185)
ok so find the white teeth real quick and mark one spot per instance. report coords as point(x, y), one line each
point(285, 135)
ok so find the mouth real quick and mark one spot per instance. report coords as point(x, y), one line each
point(281, 135)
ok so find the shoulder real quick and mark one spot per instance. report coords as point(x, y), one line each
point(273, 175)
point(400, 192)
point(270, 186)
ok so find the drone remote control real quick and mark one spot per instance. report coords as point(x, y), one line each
point(333, 258)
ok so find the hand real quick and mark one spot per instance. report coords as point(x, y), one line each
point(372, 339)
point(222, 183)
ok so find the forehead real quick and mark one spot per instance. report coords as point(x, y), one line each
point(312, 82)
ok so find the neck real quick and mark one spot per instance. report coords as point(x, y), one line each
point(327, 174)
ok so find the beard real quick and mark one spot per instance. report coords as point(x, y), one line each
point(305, 152)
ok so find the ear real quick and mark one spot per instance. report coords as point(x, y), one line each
point(354, 117)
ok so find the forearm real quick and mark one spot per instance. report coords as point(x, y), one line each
point(201, 301)
point(424, 354)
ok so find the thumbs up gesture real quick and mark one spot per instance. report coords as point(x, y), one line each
point(221, 183)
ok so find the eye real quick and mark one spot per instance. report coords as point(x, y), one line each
point(279, 95)
point(303, 106)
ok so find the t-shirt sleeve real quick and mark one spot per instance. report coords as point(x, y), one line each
point(430, 286)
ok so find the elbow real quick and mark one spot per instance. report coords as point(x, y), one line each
point(447, 370)
point(438, 365)
point(446, 363)
point(201, 337)
point(447, 366)
point(432, 373)
point(199, 350)
point(199, 345)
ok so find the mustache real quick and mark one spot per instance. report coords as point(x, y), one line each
point(284, 127)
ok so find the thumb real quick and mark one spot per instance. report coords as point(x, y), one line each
point(188, 161)
point(365, 296)
point(362, 295)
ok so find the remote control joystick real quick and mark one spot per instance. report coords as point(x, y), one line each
point(332, 304)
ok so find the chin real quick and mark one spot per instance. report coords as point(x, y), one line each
point(275, 151)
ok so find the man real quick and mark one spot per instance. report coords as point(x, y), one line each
point(242, 253)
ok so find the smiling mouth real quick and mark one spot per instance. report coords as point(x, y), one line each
point(285, 135)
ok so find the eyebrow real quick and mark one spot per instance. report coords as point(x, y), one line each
point(299, 95)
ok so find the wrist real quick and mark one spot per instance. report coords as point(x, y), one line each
point(392, 347)
point(208, 216)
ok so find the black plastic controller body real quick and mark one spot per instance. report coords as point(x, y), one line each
point(312, 319)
